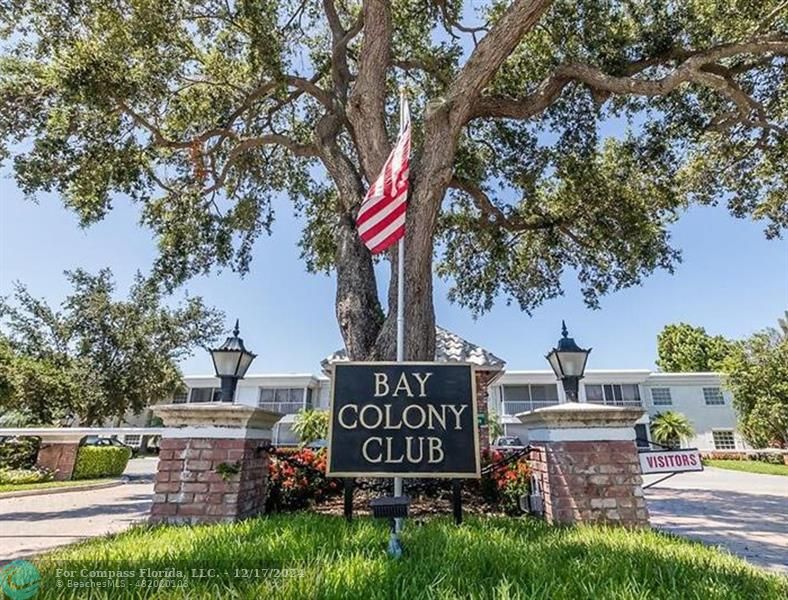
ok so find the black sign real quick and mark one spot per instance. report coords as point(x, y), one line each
point(403, 420)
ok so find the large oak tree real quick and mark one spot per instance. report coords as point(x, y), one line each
point(552, 137)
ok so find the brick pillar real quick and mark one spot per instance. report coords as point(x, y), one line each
point(587, 463)
point(201, 441)
point(483, 379)
point(59, 455)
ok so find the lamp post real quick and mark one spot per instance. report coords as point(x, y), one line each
point(231, 360)
point(568, 361)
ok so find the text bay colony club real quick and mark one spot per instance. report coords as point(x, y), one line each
point(394, 410)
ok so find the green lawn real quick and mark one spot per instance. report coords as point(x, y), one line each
point(749, 466)
point(42, 485)
point(324, 557)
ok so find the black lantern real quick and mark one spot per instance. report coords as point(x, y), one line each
point(569, 363)
point(231, 360)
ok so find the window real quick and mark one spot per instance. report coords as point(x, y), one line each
point(132, 440)
point(661, 397)
point(713, 396)
point(284, 400)
point(625, 394)
point(181, 397)
point(210, 394)
point(545, 394)
point(524, 398)
point(595, 394)
point(723, 439)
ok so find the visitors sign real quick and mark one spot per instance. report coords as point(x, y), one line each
point(403, 420)
point(670, 461)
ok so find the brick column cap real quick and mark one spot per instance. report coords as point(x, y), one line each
point(573, 415)
point(216, 414)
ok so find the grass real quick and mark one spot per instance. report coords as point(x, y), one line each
point(487, 557)
point(748, 466)
point(43, 485)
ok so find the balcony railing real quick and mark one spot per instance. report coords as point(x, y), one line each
point(286, 408)
point(631, 402)
point(511, 408)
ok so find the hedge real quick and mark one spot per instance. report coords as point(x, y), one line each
point(19, 453)
point(100, 461)
point(22, 476)
point(775, 456)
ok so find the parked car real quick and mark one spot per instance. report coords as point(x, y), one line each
point(95, 440)
point(508, 442)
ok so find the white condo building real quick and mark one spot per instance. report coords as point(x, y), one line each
point(699, 396)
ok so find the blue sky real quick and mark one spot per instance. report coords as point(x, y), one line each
point(732, 281)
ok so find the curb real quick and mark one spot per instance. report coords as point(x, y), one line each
point(63, 490)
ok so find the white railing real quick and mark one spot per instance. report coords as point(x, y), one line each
point(636, 403)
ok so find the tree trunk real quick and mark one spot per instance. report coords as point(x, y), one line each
point(358, 310)
point(430, 176)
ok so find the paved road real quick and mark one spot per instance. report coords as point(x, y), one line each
point(32, 524)
point(743, 512)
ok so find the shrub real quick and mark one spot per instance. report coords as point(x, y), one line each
point(19, 476)
point(770, 456)
point(297, 478)
point(19, 453)
point(100, 461)
point(504, 485)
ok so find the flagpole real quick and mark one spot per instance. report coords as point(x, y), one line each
point(400, 304)
point(401, 262)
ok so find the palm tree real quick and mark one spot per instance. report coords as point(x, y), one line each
point(780, 332)
point(311, 425)
point(668, 428)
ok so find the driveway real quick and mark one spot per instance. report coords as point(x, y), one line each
point(34, 524)
point(745, 513)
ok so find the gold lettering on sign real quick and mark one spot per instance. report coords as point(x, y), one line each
point(381, 385)
point(440, 417)
point(403, 384)
point(388, 424)
point(365, 452)
point(422, 383)
point(418, 424)
point(341, 419)
point(390, 452)
point(364, 422)
point(436, 450)
point(457, 413)
point(409, 450)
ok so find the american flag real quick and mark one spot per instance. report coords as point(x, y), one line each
point(381, 218)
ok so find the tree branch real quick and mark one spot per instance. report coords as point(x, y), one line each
point(298, 149)
point(340, 72)
point(490, 54)
point(494, 217)
point(698, 67)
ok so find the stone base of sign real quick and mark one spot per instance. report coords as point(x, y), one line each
point(586, 462)
point(213, 466)
point(58, 457)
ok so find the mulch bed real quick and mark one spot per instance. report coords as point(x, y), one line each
point(420, 505)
